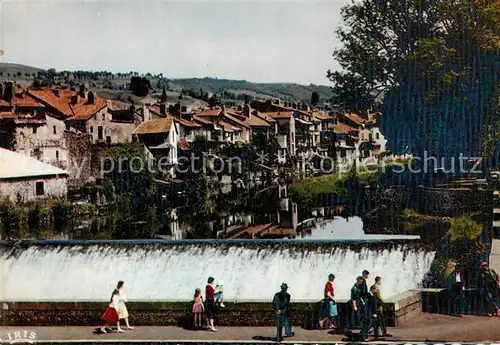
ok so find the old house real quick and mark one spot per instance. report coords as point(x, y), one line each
point(160, 138)
point(30, 129)
point(24, 179)
point(87, 113)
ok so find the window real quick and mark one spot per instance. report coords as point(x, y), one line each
point(54, 129)
point(108, 140)
point(57, 155)
point(371, 137)
point(39, 188)
point(100, 135)
point(377, 136)
point(91, 129)
point(34, 130)
point(103, 117)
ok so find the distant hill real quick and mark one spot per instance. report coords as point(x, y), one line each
point(14, 69)
point(284, 91)
point(24, 76)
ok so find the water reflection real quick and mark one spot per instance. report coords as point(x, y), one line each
point(340, 228)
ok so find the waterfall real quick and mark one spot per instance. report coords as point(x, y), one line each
point(172, 270)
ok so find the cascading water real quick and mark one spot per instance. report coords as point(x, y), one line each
point(172, 271)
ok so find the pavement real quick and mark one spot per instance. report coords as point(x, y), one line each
point(425, 328)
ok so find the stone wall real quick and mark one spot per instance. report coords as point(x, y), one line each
point(79, 156)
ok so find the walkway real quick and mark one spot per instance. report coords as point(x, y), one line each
point(430, 328)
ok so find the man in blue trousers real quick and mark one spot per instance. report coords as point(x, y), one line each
point(281, 307)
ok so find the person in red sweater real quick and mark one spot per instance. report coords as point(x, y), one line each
point(329, 306)
point(210, 304)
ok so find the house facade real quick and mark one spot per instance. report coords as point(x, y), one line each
point(24, 179)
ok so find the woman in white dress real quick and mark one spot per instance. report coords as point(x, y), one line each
point(122, 308)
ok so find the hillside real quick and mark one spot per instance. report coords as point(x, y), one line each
point(115, 86)
point(285, 91)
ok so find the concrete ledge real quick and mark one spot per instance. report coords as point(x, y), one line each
point(407, 305)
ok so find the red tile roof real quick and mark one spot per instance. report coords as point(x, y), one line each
point(279, 114)
point(234, 119)
point(356, 118)
point(209, 112)
point(321, 116)
point(7, 115)
point(25, 100)
point(4, 104)
point(154, 126)
point(255, 121)
point(201, 120)
point(228, 127)
point(84, 111)
point(61, 103)
point(186, 122)
point(343, 128)
point(156, 109)
point(183, 144)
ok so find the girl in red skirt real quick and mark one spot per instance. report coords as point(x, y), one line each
point(111, 314)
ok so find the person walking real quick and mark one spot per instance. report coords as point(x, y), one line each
point(111, 316)
point(330, 310)
point(456, 292)
point(490, 289)
point(198, 309)
point(281, 308)
point(370, 318)
point(352, 315)
point(122, 308)
point(210, 304)
point(380, 311)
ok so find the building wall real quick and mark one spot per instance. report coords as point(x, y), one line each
point(118, 132)
point(48, 139)
point(80, 158)
point(53, 187)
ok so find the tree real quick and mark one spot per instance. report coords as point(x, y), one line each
point(214, 101)
point(432, 66)
point(140, 86)
point(163, 95)
point(314, 98)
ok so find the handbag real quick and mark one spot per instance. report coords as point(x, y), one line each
point(333, 308)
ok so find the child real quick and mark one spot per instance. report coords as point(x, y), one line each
point(111, 314)
point(219, 295)
point(198, 308)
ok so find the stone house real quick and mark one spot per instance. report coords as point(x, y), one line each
point(24, 179)
point(87, 113)
point(30, 129)
point(160, 138)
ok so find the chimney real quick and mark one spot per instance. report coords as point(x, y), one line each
point(240, 108)
point(74, 99)
point(145, 113)
point(8, 92)
point(90, 97)
point(246, 110)
point(56, 92)
point(163, 109)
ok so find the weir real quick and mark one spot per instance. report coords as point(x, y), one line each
point(172, 270)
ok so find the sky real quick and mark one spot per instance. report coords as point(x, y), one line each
point(258, 41)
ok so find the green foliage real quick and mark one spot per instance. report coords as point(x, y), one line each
point(464, 227)
point(303, 191)
point(140, 86)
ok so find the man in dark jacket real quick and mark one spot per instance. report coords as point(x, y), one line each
point(490, 289)
point(281, 307)
point(370, 319)
point(354, 306)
